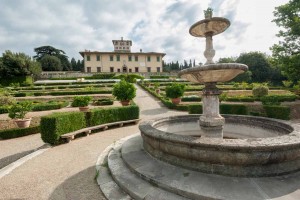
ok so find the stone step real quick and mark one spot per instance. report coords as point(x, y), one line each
point(132, 184)
point(197, 185)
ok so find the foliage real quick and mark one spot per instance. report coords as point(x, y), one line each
point(57, 124)
point(270, 100)
point(102, 102)
point(131, 78)
point(233, 109)
point(51, 51)
point(106, 115)
point(6, 98)
point(50, 63)
point(17, 64)
point(159, 77)
point(124, 91)
point(19, 110)
point(287, 83)
point(81, 101)
point(195, 109)
point(18, 132)
point(191, 98)
point(175, 90)
point(49, 106)
point(102, 76)
point(286, 53)
point(277, 112)
point(260, 90)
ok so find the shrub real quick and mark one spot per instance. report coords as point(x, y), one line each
point(233, 109)
point(107, 115)
point(18, 132)
point(287, 83)
point(191, 98)
point(270, 100)
point(102, 102)
point(6, 99)
point(81, 101)
point(260, 90)
point(195, 109)
point(131, 78)
point(19, 110)
point(277, 112)
point(4, 109)
point(159, 77)
point(57, 124)
point(20, 94)
point(80, 92)
point(240, 99)
point(175, 90)
point(124, 91)
point(101, 76)
point(50, 106)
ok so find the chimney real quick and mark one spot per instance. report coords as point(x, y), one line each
point(141, 50)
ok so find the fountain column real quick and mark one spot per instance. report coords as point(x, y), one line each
point(211, 122)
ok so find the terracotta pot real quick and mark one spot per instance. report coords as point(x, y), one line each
point(84, 109)
point(157, 91)
point(23, 123)
point(176, 101)
point(125, 102)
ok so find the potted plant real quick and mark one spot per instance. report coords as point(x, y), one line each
point(156, 88)
point(174, 92)
point(18, 111)
point(82, 102)
point(124, 92)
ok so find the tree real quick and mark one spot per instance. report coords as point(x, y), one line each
point(17, 64)
point(51, 51)
point(286, 53)
point(50, 63)
point(258, 64)
point(80, 65)
point(73, 64)
point(227, 60)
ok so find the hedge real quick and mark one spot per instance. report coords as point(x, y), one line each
point(107, 115)
point(50, 106)
point(57, 124)
point(190, 98)
point(195, 109)
point(3, 109)
point(18, 132)
point(236, 109)
point(102, 102)
point(25, 80)
point(277, 112)
point(20, 94)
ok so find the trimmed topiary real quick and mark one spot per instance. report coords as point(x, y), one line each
point(81, 101)
point(175, 90)
point(124, 91)
point(260, 91)
point(278, 112)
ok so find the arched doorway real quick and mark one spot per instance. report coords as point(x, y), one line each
point(124, 69)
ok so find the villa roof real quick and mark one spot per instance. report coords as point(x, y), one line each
point(82, 53)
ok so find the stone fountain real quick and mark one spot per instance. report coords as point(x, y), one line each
point(226, 157)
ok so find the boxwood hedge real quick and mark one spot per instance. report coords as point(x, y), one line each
point(18, 132)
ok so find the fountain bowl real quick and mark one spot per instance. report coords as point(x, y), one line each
point(255, 146)
point(211, 26)
point(220, 72)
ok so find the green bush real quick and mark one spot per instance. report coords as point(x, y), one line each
point(18, 132)
point(102, 76)
point(62, 93)
point(270, 100)
point(17, 80)
point(20, 94)
point(159, 77)
point(233, 109)
point(240, 99)
point(81, 101)
point(124, 91)
point(195, 109)
point(277, 112)
point(106, 115)
point(175, 90)
point(57, 124)
point(260, 90)
point(102, 102)
point(49, 106)
point(4, 109)
point(19, 110)
point(131, 78)
point(191, 98)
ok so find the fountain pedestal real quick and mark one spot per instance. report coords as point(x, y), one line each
point(211, 122)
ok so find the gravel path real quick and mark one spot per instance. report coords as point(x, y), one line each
point(67, 171)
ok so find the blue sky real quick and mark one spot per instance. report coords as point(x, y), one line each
point(152, 25)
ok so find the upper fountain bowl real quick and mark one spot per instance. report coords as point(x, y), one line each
point(211, 26)
point(213, 73)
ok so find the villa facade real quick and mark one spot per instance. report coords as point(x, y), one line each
point(122, 60)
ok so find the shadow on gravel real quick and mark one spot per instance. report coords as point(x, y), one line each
point(12, 158)
point(155, 111)
point(80, 186)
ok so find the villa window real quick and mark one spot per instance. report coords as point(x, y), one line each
point(118, 57)
point(136, 58)
point(98, 69)
point(129, 58)
point(136, 69)
point(88, 58)
point(148, 69)
point(111, 58)
point(89, 69)
point(148, 58)
point(111, 69)
point(157, 58)
point(158, 69)
point(130, 70)
point(98, 58)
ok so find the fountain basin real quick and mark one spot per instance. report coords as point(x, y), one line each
point(221, 72)
point(273, 150)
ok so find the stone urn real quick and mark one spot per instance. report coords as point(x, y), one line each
point(125, 102)
point(84, 109)
point(23, 123)
point(176, 101)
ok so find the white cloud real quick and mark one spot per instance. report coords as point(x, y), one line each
point(156, 25)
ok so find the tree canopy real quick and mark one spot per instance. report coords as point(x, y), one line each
point(286, 53)
point(50, 63)
point(17, 64)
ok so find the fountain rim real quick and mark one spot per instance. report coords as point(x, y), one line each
point(207, 20)
point(278, 142)
point(218, 66)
